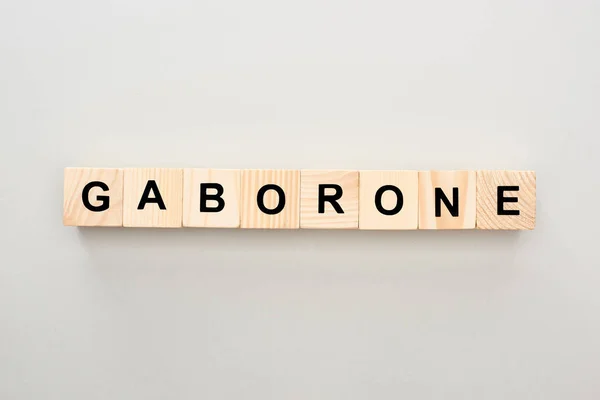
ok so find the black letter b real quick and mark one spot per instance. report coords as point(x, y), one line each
point(204, 197)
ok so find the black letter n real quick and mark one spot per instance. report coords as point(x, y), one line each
point(441, 196)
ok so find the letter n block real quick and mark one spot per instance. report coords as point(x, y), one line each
point(152, 197)
point(270, 199)
point(93, 197)
point(211, 198)
point(447, 199)
point(329, 199)
point(506, 200)
point(389, 200)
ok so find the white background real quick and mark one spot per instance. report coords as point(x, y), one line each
point(233, 314)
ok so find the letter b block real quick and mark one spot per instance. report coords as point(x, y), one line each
point(270, 199)
point(506, 200)
point(93, 197)
point(211, 198)
point(152, 197)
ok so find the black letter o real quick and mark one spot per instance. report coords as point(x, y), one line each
point(260, 199)
point(399, 201)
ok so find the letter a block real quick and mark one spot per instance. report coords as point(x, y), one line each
point(506, 200)
point(329, 199)
point(93, 197)
point(211, 198)
point(389, 200)
point(152, 197)
point(447, 199)
point(270, 199)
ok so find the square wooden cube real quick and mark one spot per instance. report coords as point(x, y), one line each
point(447, 199)
point(270, 199)
point(211, 198)
point(153, 197)
point(506, 200)
point(93, 197)
point(389, 200)
point(329, 199)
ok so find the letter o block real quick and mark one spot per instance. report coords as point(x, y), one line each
point(507, 208)
point(381, 189)
point(263, 206)
point(93, 197)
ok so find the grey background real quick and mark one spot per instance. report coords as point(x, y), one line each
point(232, 314)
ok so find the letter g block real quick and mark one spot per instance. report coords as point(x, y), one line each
point(93, 197)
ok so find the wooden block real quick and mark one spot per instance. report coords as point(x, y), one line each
point(153, 197)
point(447, 199)
point(93, 197)
point(270, 199)
point(389, 200)
point(328, 199)
point(506, 200)
point(211, 198)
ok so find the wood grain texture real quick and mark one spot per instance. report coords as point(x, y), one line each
point(465, 181)
point(74, 211)
point(487, 200)
point(170, 185)
point(229, 179)
point(372, 219)
point(310, 218)
point(252, 217)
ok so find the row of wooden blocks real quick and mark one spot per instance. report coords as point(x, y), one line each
point(293, 199)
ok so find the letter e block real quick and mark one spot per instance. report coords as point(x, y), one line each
point(211, 198)
point(447, 199)
point(506, 200)
point(389, 200)
point(270, 199)
point(153, 197)
point(329, 199)
point(93, 197)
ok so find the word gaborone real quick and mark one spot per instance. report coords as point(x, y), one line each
point(299, 199)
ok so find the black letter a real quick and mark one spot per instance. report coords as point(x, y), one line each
point(151, 186)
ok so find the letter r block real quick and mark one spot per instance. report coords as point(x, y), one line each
point(169, 185)
point(270, 199)
point(93, 197)
point(507, 208)
point(435, 184)
point(228, 180)
point(336, 192)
